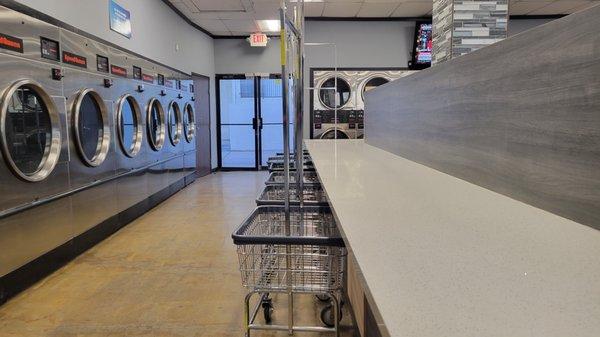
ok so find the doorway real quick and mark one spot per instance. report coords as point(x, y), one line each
point(249, 120)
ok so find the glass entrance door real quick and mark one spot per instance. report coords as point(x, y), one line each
point(271, 133)
point(237, 122)
point(250, 120)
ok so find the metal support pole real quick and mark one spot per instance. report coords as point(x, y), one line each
point(300, 110)
point(286, 161)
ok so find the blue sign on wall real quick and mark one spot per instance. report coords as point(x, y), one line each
point(120, 19)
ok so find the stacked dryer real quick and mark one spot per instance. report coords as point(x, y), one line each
point(337, 100)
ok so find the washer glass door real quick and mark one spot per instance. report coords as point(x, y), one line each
point(129, 120)
point(189, 127)
point(91, 127)
point(30, 131)
point(333, 97)
point(156, 127)
point(175, 125)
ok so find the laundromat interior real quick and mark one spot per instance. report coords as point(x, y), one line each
point(264, 168)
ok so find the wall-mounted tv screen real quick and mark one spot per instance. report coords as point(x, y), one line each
point(423, 45)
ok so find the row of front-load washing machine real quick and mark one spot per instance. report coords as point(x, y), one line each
point(87, 131)
point(338, 99)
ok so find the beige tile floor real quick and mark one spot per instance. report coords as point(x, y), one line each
point(172, 272)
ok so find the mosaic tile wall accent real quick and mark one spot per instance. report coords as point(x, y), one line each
point(442, 31)
point(475, 24)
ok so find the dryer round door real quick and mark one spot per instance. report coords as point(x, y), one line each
point(175, 124)
point(373, 83)
point(129, 125)
point(155, 122)
point(332, 97)
point(189, 126)
point(331, 134)
point(91, 127)
point(30, 131)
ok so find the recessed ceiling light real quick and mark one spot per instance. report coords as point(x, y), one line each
point(268, 25)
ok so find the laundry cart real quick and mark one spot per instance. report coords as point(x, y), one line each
point(303, 254)
point(312, 195)
point(278, 178)
point(280, 167)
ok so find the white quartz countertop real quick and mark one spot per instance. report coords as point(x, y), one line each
point(445, 258)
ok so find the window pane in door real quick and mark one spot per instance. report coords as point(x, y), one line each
point(237, 146)
point(272, 115)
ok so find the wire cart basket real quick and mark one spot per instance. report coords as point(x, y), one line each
point(277, 178)
point(313, 195)
point(279, 159)
point(280, 167)
point(302, 254)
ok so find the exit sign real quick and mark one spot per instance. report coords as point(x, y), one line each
point(258, 40)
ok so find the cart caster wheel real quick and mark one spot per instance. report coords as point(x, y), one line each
point(267, 310)
point(327, 316)
point(323, 297)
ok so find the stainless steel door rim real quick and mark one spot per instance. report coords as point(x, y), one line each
point(175, 113)
point(156, 141)
point(189, 125)
point(104, 142)
point(52, 146)
point(134, 149)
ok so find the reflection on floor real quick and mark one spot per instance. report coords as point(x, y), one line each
point(172, 272)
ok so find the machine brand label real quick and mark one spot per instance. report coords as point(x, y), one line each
point(102, 63)
point(169, 84)
point(161, 79)
point(137, 73)
point(184, 88)
point(118, 71)
point(11, 43)
point(73, 59)
point(147, 78)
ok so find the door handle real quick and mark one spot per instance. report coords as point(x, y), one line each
point(254, 123)
point(260, 123)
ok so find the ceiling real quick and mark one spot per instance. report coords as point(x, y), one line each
point(241, 17)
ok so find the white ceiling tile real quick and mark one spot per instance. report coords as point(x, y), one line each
point(413, 9)
point(346, 9)
point(380, 10)
point(241, 25)
point(313, 8)
point(525, 7)
point(218, 5)
point(266, 11)
point(211, 24)
point(184, 7)
point(235, 15)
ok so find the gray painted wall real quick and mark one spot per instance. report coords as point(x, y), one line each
point(158, 33)
point(235, 56)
